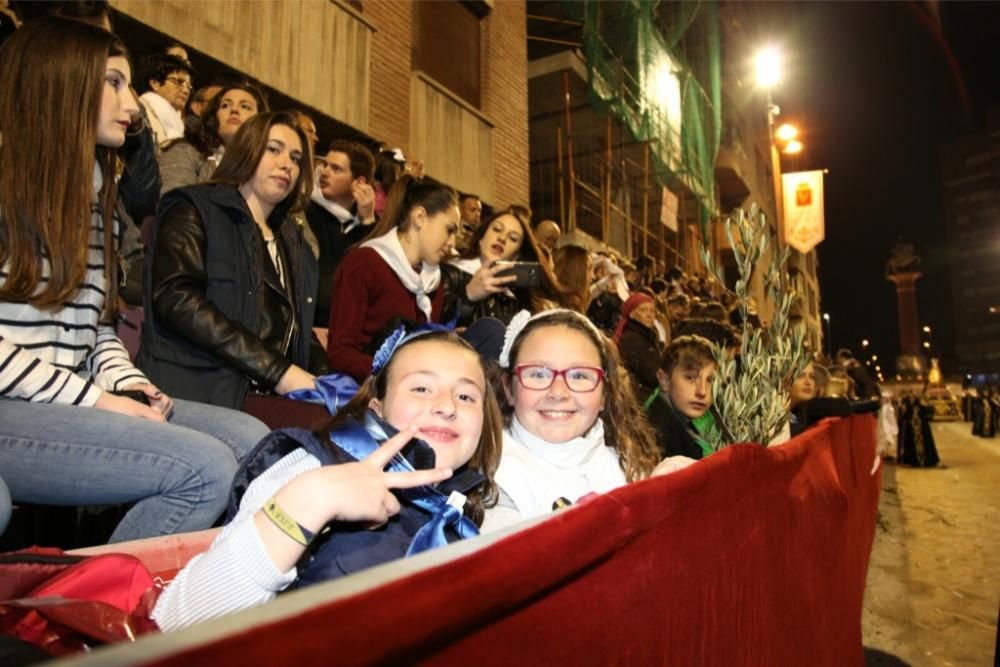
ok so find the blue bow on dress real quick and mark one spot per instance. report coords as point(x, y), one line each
point(333, 390)
point(359, 440)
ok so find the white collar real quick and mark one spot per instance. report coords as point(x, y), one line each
point(570, 455)
point(344, 216)
point(391, 250)
point(169, 117)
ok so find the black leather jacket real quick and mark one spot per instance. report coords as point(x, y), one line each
point(139, 188)
point(502, 306)
point(218, 320)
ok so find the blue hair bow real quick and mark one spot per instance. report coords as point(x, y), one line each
point(333, 390)
point(400, 336)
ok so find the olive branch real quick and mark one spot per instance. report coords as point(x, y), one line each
point(752, 398)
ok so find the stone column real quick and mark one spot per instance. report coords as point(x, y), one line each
point(910, 363)
point(906, 309)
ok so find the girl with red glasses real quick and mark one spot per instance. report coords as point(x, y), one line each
point(572, 423)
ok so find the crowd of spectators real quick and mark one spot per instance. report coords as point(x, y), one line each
point(550, 372)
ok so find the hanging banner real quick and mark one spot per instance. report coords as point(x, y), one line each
point(668, 210)
point(804, 223)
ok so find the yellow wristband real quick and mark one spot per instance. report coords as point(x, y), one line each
point(287, 524)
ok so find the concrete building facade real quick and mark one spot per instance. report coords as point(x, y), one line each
point(375, 67)
point(970, 169)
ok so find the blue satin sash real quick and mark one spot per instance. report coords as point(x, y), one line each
point(334, 391)
point(361, 440)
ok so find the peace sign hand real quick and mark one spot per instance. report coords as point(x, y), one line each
point(359, 491)
point(362, 491)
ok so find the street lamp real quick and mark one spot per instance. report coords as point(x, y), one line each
point(767, 66)
point(786, 137)
point(786, 132)
point(829, 335)
point(793, 147)
point(864, 342)
point(927, 329)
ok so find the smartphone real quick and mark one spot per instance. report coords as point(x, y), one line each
point(134, 394)
point(527, 274)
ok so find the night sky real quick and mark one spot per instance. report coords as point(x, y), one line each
point(873, 91)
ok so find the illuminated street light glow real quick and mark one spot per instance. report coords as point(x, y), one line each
point(786, 132)
point(864, 343)
point(793, 147)
point(874, 357)
point(927, 345)
point(826, 317)
point(927, 329)
point(767, 66)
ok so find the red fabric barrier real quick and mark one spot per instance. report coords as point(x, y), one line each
point(752, 557)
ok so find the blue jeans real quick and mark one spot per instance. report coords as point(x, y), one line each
point(4, 506)
point(178, 473)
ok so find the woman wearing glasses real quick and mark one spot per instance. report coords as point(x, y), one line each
point(165, 83)
point(572, 424)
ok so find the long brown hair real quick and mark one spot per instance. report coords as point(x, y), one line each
point(550, 293)
point(406, 194)
point(243, 155)
point(626, 429)
point(487, 455)
point(47, 146)
point(572, 264)
point(204, 133)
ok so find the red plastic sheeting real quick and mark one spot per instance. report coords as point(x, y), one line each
point(163, 556)
point(752, 557)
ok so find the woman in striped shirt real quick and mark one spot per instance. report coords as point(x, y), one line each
point(67, 436)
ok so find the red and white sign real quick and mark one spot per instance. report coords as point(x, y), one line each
point(804, 222)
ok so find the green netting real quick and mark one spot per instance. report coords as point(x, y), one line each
point(638, 73)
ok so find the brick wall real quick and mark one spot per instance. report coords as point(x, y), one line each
point(504, 94)
point(504, 86)
point(390, 71)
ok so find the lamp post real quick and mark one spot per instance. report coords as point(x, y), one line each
point(829, 335)
point(767, 70)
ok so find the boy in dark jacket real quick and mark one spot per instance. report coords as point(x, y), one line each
point(681, 411)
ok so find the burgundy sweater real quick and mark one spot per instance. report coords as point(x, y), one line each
point(366, 296)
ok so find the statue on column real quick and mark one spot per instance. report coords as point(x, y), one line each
point(903, 258)
point(903, 269)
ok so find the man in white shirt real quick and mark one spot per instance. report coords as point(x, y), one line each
point(341, 213)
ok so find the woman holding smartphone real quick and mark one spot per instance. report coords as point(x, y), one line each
point(482, 283)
